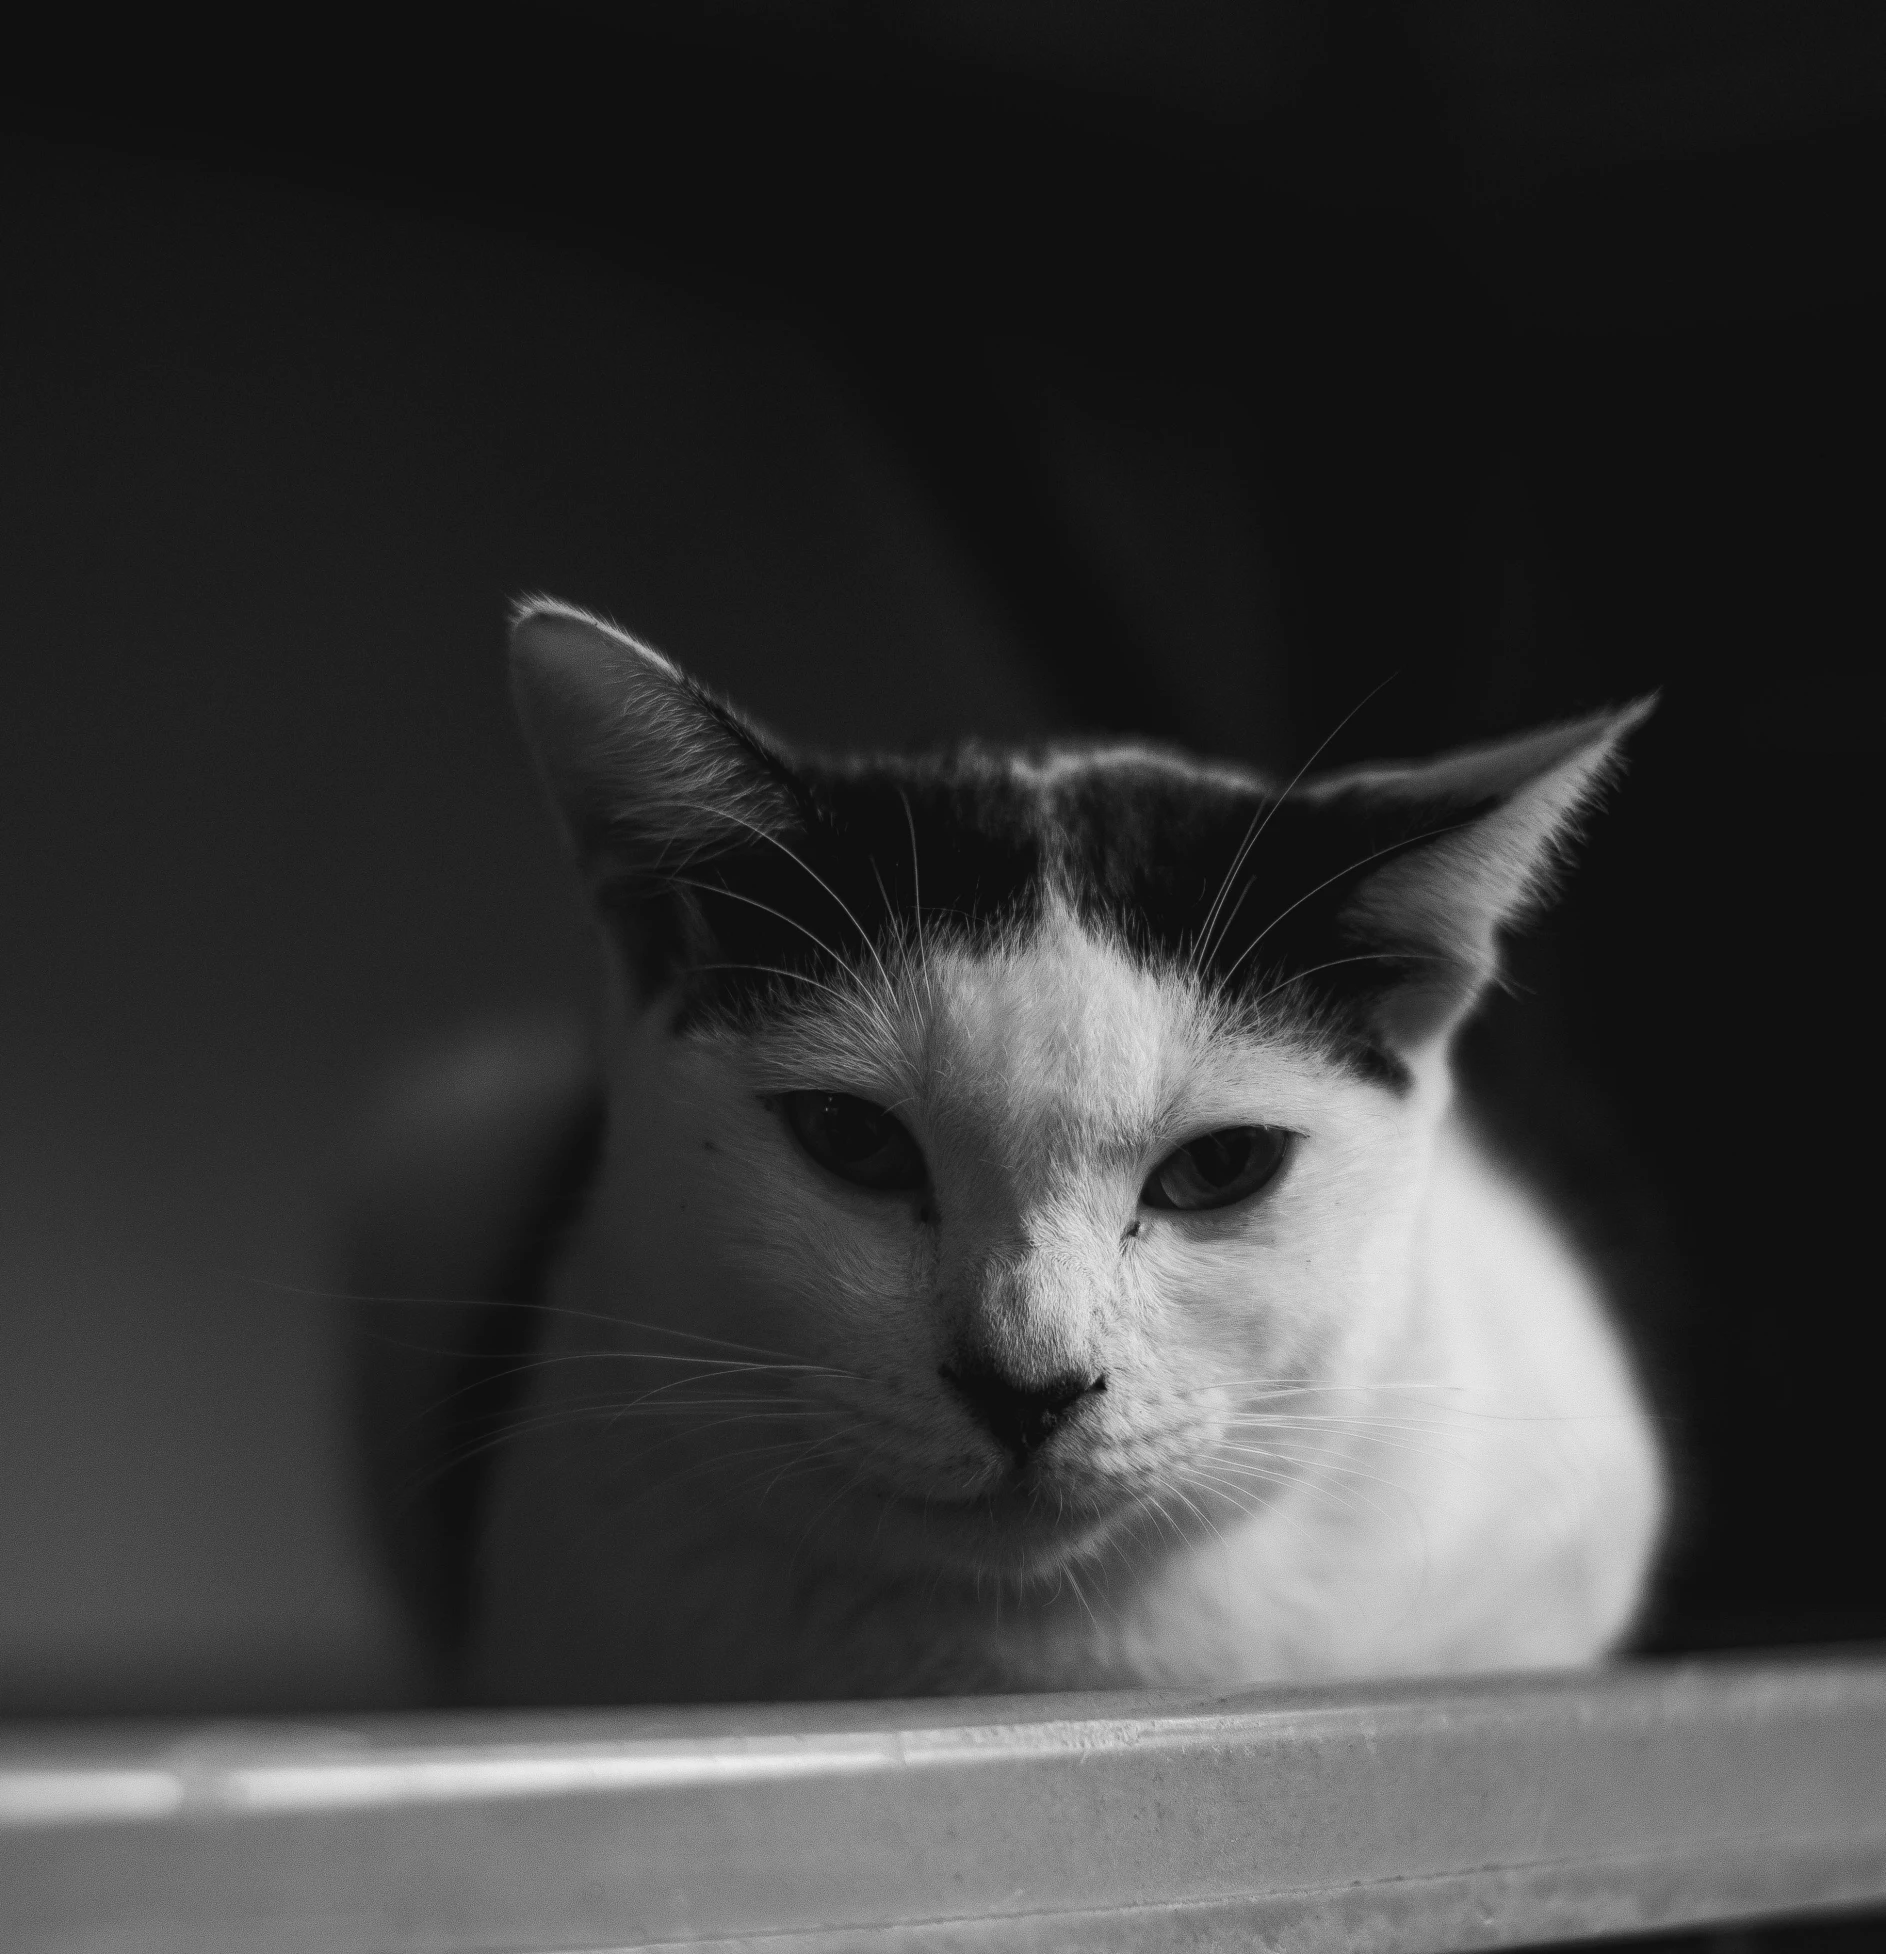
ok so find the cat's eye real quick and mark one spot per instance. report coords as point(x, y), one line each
point(1218, 1169)
point(855, 1140)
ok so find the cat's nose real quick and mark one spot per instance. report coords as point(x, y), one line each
point(1020, 1417)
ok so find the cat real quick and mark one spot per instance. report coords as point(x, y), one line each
point(1018, 1234)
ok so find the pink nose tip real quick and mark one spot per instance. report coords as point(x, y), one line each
point(1020, 1417)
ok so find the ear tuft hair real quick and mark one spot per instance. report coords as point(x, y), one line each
point(1479, 837)
point(649, 770)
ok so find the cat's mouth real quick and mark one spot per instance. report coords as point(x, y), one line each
point(1030, 1517)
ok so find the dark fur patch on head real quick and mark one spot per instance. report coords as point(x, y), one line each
point(1187, 866)
point(1366, 905)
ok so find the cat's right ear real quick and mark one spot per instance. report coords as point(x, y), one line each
point(653, 776)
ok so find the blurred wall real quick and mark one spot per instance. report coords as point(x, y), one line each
point(275, 461)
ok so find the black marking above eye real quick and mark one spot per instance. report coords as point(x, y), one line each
point(1217, 1169)
point(855, 1140)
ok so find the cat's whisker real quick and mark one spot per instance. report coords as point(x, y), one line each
point(1255, 831)
point(864, 995)
point(1362, 861)
point(1205, 1518)
point(1339, 1421)
point(655, 1399)
point(1234, 1471)
point(799, 861)
point(1453, 1423)
point(528, 1305)
point(722, 1374)
point(1080, 1594)
point(1313, 1464)
point(1152, 1504)
point(512, 1430)
point(1456, 1415)
point(1412, 1443)
point(810, 1457)
point(916, 884)
point(844, 1492)
point(715, 1372)
point(654, 1405)
point(613, 1413)
point(1205, 948)
point(890, 908)
point(395, 1300)
point(726, 1343)
point(1263, 1384)
point(1239, 1498)
point(877, 1006)
point(846, 998)
point(1336, 963)
point(530, 1366)
point(671, 1480)
point(797, 1445)
point(1322, 1480)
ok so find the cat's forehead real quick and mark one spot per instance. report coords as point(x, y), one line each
point(1172, 870)
point(1054, 1033)
point(978, 835)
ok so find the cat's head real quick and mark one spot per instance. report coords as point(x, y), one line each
point(1053, 1112)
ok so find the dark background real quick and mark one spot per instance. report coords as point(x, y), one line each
point(908, 370)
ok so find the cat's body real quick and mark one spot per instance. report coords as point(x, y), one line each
point(1035, 1245)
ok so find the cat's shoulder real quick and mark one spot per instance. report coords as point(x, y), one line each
point(1564, 1472)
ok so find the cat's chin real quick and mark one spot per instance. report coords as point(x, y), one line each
point(1020, 1532)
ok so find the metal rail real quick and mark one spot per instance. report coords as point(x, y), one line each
point(1425, 1817)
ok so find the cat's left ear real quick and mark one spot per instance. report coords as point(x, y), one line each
point(1468, 844)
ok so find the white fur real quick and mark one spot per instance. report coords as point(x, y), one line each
point(1371, 1422)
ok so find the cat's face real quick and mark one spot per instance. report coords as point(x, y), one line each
point(1049, 1134)
point(1041, 1088)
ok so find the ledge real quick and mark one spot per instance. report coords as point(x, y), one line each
point(1416, 1818)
